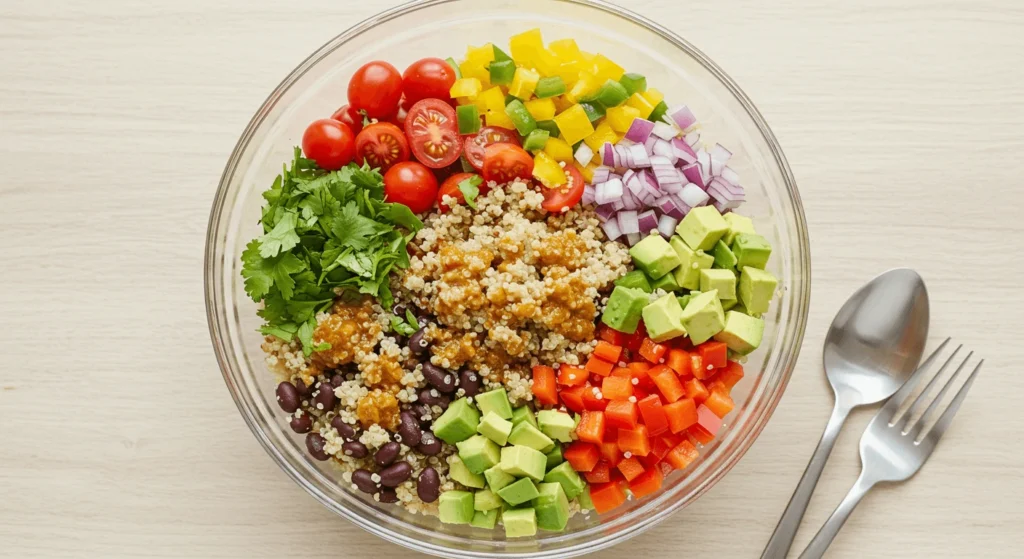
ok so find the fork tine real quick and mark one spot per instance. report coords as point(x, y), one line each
point(947, 416)
point(892, 405)
point(923, 420)
point(907, 415)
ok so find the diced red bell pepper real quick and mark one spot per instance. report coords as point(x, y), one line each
point(611, 335)
point(681, 415)
point(660, 447)
point(708, 420)
point(667, 382)
point(598, 366)
point(700, 434)
point(654, 415)
point(666, 468)
point(610, 452)
point(715, 354)
point(601, 473)
point(640, 393)
point(581, 456)
point(717, 386)
point(634, 441)
point(673, 439)
point(621, 414)
point(631, 468)
point(616, 388)
point(607, 496)
point(719, 403)
point(623, 372)
point(646, 483)
point(682, 455)
point(591, 401)
point(591, 427)
point(609, 352)
point(650, 461)
point(652, 351)
point(544, 389)
point(679, 361)
point(634, 341)
point(573, 398)
point(569, 375)
point(731, 374)
point(697, 366)
point(695, 390)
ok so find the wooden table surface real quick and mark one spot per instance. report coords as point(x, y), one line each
point(902, 120)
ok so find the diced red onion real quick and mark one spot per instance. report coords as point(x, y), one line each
point(732, 190)
point(730, 176)
point(673, 187)
point(692, 138)
point(588, 194)
point(720, 153)
point(584, 155)
point(608, 192)
point(608, 155)
point(664, 149)
point(618, 205)
point(693, 195)
point(683, 206)
point(635, 184)
point(716, 167)
point(611, 229)
point(639, 130)
point(649, 144)
point(664, 131)
point(605, 212)
point(633, 238)
point(648, 221)
point(704, 161)
point(639, 156)
point(628, 222)
point(683, 117)
point(667, 225)
point(668, 179)
point(726, 207)
point(602, 174)
point(683, 151)
point(692, 174)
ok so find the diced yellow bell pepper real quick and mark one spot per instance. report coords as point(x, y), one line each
point(523, 84)
point(566, 50)
point(621, 118)
point(587, 172)
point(547, 63)
point(471, 69)
point(464, 101)
point(559, 150)
point(653, 96)
point(601, 135)
point(570, 73)
point(499, 119)
point(525, 46)
point(605, 69)
point(574, 124)
point(641, 104)
point(466, 87)
point(587, 85)
point(482, 56)
point(562, 103)
point(547, 170)
point(541, 109)
point(491, 100)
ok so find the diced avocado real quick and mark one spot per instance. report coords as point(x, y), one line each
point(654, 256)
point(554, 457)
point(552, 507)
point(525, 434)
point(564, 475)
point(737, 224)
point(519, 523)
point(703, 317)
point(636, 280)
point(556, 424)
point(666, 282)
point(741, 309)
point(757, 287)
point(457, 423)
point(494, 401)
point(691, 263)
point(683, 300)
point(664, 319)
point(456, 507)
point(624, 307)
point(702, 228)
point(751, 250)
point(485, 500)
point(458, 471)
point(497, 478)
point(742, 333)
point(724, 258)
point(495, 428)
point(523, 461)
point(723, 281)
point(519, 492)
point(479, 453)
point(584, 500)
point(522, 414)
point(729, 303)
point(486, 520)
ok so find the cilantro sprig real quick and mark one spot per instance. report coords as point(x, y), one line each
point(470, 189)
point(323, 232)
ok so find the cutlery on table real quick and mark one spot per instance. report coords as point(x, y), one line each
point(874, 344)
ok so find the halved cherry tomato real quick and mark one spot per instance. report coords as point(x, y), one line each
point(477, 143)
point(347, 115)
point(330, 143)
point(567, 195)
point(382, 145)
point(412, 184)
point(506, 162)
point(428, 78)
point(433, 131)
point(450, 187)
point(376, 88)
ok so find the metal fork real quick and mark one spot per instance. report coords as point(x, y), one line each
point(893, 449)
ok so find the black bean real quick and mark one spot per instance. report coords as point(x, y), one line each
point(418, 344)
point(429, 444)
point(388, 495)
point(315, 445)
point(337, 379)
point(470, 382)
point(395, 474)
point(432, 397)
point(423, 321)
point(346, 431)
point(325, 399)
point(422, 412)
point(302, 389)
point(302, 423)
point(355, 449)
point(409, 429)
point(364, 481)
point(399, 310)
point(387, 454)
point(288, 397)
point(428, 486)
point(442, 380)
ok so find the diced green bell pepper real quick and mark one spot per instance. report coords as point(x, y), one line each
point(500, 55)
point(502, 72)
point(612, 94)
point(634, 83)
point(595, 111)
point(550, 87)
point(549, 125)
point(536, 140)
point(455, 67)
point(469, 119)
point(521, 117)
point(659, 111)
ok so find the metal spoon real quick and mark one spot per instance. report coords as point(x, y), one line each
point(875, 343)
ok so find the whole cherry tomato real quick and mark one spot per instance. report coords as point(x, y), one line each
point(330, 143)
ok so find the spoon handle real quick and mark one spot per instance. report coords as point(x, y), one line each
point(782, 539)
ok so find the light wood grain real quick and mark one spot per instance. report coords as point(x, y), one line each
point(902, 120)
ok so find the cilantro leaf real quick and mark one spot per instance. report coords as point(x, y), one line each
point(401, 327)
point(281, 238)
point(401, 215)
point(354, 230)
point(263, 273)
point(470, 189)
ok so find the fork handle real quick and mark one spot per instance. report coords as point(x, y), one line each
point(828, 531)
point(782, 539)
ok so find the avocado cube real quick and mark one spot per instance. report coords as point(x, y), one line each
point(497, 478)
point(635, 280)
point(703, 317)
point(556, 424)
point(723, 281)
point(729, 303)
point(683, 300)
point(522, 414)
point(494, 401)
point(664, 319)
point(479, 453)
point(523, 461)
point(737, 224)
point(702, 228)
point(654, 256)
point(458, 471)
point(552, 507)
point(485, 500)
point(519, 492)
point(691, 263)
point(564, 475)
point(742, 333)
point(584, 500)
point(554, 457)
point(751, 250)
point(519, 523)
point(724, 258)
point(624, 307)
point(486, 520)
point(457, 423)
point(525, 434)
point(757, 287)
point(495, 428)
point(666, 282)
point(456, 507)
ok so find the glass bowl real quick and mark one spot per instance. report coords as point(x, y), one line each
point(444, 28)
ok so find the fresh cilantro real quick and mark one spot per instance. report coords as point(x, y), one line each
point(470, 189)
point(282, 238)
point(406, 327)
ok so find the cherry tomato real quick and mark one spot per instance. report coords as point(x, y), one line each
point(433, 133)
point(382, 145)
point(376, 88)
point(400, 116)
point(412, 184)
point(506, 162)
point(474, 145)
point(349, 116)
point(567, 195)
point(451, 188)
point(430, 78)
point(330, 143)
